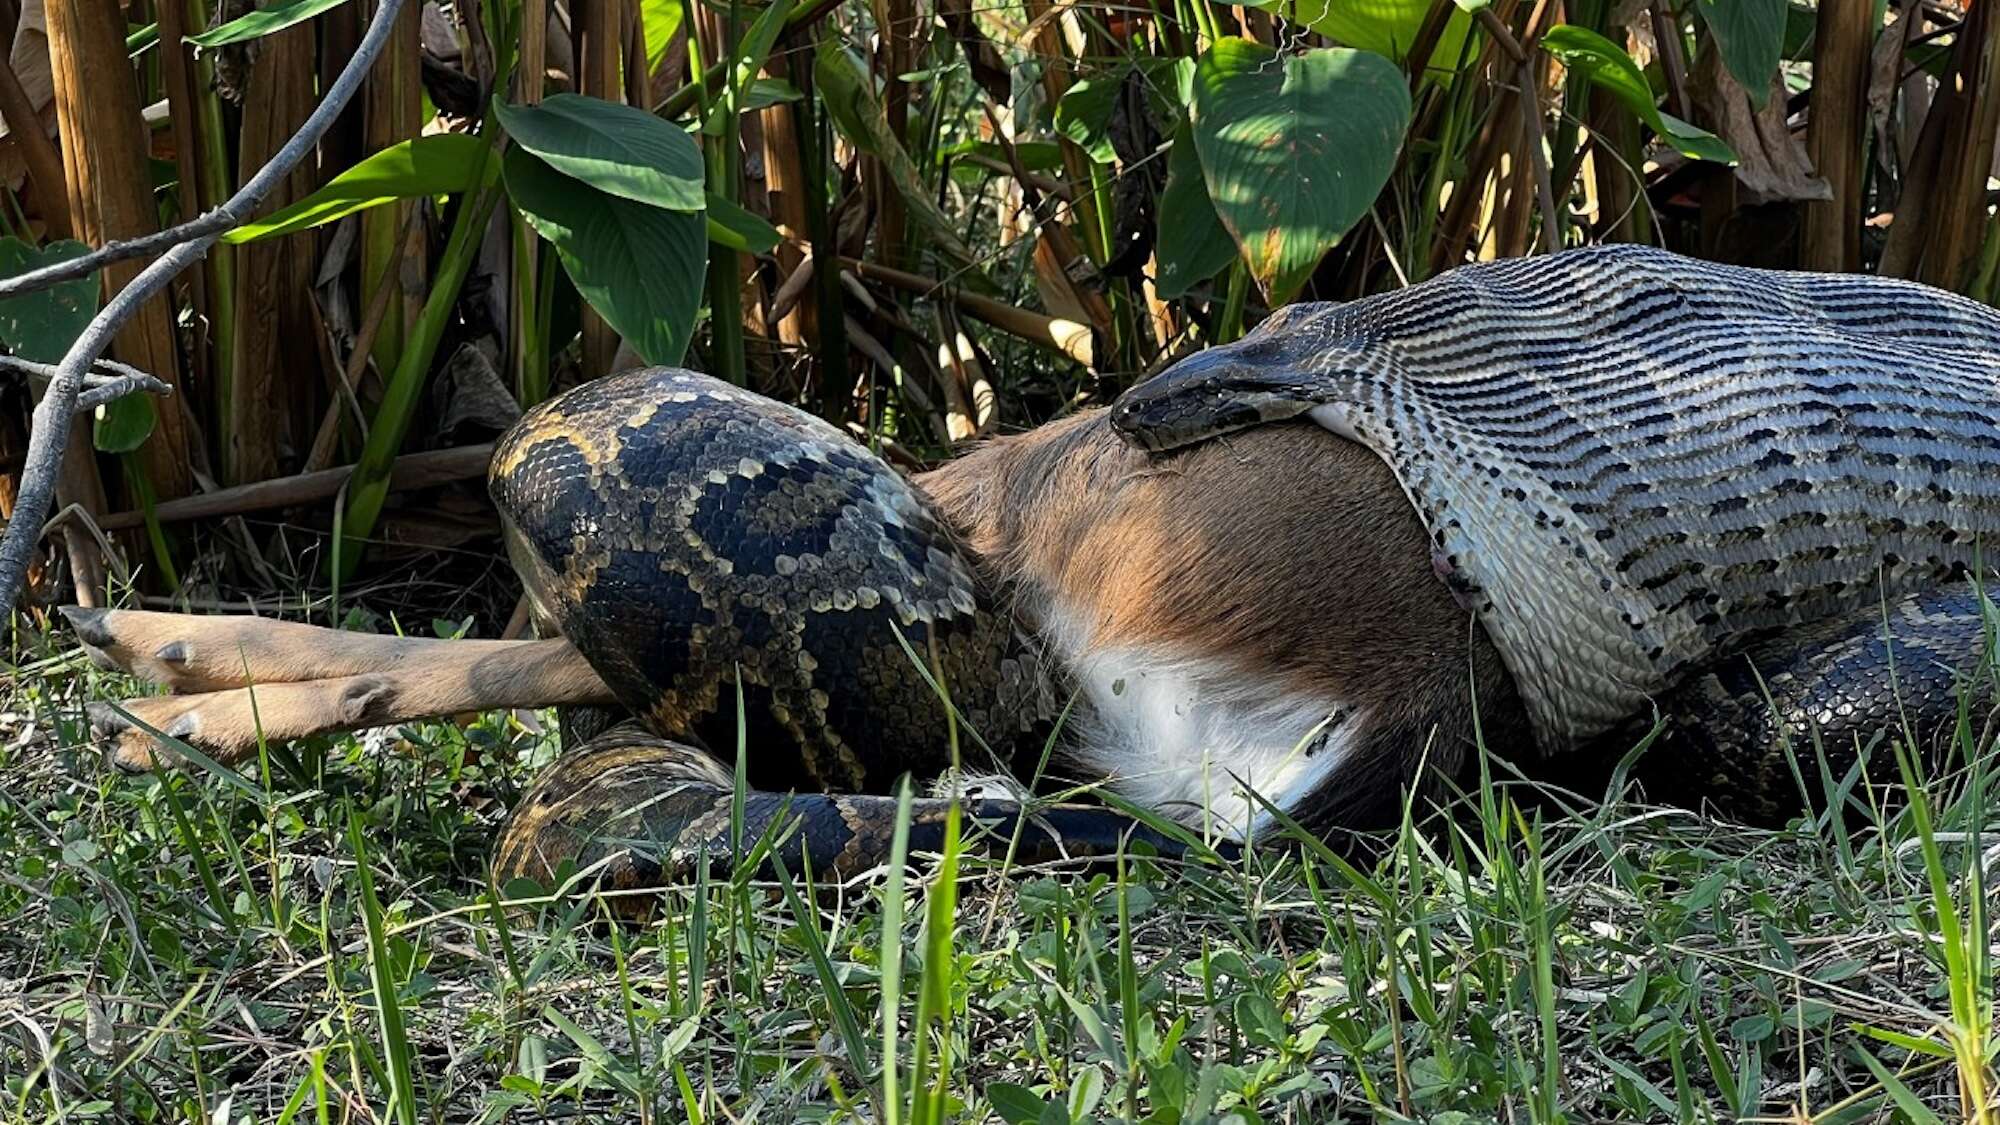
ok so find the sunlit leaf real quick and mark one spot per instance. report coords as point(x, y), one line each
point(1085, 112)
point(439, 164)
point(659, 19)
point(618, 149)
point(1607, 65)
point(1295, 148)
point(640, 267)
point(1386, 27)
point(262, 22)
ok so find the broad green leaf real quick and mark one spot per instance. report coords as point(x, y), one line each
point(439, 164)
point(1085, 111)
point(263, 21)
point(41, 326)
point(617, 149)
point(1036, 156)
point(1751, 36)
point(856, 112)
point(1193, 244)
point(1295, 148)
point(1607, 65)
point(659, 19)
point(124, 424)
point(1016, 1104)
point(732, 226)
point(755, 48)
point(640, 267)
point(1386, 27)
point(764, 92)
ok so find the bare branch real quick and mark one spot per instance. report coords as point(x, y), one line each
point(107, 380)
point(238, 208)
point(117, 387)
point(189, 242)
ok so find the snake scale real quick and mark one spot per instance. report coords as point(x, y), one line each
point(714, 554)
point(1630, 459)
point(1665, 486)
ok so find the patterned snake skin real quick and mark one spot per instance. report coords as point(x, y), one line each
point(1669, 486)
point(1631, 461)
point(700, 545)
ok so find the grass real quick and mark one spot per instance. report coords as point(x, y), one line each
point(319, 943)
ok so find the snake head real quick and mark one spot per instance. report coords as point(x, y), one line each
point(1212, 393)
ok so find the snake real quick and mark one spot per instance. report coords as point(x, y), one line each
point(738, 571)
point(1730, 510)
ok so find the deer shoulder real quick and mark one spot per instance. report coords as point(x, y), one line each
point(1260, 611)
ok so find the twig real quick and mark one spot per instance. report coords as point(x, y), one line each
point(1531, 124)
point(189, 242)
point(107, 381)
point(409, 472)
point(237, 209)
point(1667, 37)
point(1056, 334)
point(117, 387)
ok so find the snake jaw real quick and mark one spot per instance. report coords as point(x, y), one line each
point(1179, 409)
point(1260, 378)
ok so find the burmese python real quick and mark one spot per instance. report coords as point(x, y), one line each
point(1631, 461)
point(714, 554)
point(1638, 468)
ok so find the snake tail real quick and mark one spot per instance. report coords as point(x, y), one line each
point(638, 812)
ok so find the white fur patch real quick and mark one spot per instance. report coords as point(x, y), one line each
point(1333, 416)
point(1185, 735)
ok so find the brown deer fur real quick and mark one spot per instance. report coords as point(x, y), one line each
point(1284, 551)
point(1285, 554)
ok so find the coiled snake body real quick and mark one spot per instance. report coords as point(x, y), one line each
point(714, 554)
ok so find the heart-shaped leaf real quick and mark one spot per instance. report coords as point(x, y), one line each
point(124, 424)
point(1386, 27)
point(1295, 147)
point(1751, 36)
point(1607, 65)
point(1084, 113)
point(42, 325)
point(1193, 243)
point(439, 164)
point(640, 267)
point(617, 149)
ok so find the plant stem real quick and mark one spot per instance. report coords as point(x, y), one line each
point(369, 487)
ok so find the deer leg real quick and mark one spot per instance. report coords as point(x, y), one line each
point(186, 653)
point(446, 679)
